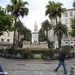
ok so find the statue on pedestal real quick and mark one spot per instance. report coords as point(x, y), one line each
point(35, 27)
point(36, 45)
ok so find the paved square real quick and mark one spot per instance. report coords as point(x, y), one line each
point(27, 67)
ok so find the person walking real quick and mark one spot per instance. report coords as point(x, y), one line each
point(61, 61)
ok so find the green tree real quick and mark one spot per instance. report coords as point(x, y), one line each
point(72, 22)
point(46, 25)
point(54, 10)
point(6, 21)
point(74, 4)
point(42, 37)
point(19, 28)
point(23, 32)
point(61, 30)
point(17, 8)
point(27, 34)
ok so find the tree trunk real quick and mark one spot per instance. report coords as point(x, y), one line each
point(18, 38)
point(58, 36)
point(47, 33)
point(60, 41)
point(14, 33)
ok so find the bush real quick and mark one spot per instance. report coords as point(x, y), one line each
point(50, 53)
point(17, 51)
point(38, 51)
point(42, 56)
point(66, 49)
point(2, 52)
point(32, 56)
point(26, 53)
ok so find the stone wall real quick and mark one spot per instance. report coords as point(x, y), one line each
point(27, 44)
point(43, 44)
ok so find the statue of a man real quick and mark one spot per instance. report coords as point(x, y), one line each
point(35, 27)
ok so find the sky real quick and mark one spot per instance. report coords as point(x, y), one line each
point(37, 10)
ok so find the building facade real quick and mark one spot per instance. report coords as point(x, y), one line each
point(65, 19)
point(6, 40)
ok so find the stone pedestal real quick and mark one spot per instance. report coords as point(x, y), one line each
point(35, 38)
point(43, 44)
point(26, 44)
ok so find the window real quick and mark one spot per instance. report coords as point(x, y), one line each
point(66, 21)
point(66, 14)
point(66, 42)
point(8, 40)
point(2, 40)
point(71, 42)
point(71, 13)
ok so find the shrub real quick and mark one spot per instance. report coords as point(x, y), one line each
point(66, 49)
point(26, 53)
point(50, 53)
point(32, 56)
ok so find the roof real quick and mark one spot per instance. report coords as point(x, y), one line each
point(69, 9)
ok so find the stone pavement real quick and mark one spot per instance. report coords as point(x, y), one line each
point(29, 67)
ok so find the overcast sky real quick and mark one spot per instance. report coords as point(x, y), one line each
point(37, 11)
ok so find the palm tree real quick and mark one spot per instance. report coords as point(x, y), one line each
point(27, 34)
point(17, 8)
point(42, 37)
point(61, 30)
point(72, 22)
point(46, 25)
point(54, 10)
point(19, 28)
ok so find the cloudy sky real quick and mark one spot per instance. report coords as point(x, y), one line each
point(37, 11)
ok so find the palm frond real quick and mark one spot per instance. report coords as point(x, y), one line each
point(13, 2)
point(9, 8)
point(54, 9)
point(61, 29)
point(18, 8)
point(74, 5)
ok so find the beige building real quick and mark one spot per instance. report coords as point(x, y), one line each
point(65, 19)
point(6, 39)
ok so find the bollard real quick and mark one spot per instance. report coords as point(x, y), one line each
point(72, 70)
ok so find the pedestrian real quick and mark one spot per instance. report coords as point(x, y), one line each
point(61, 61)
